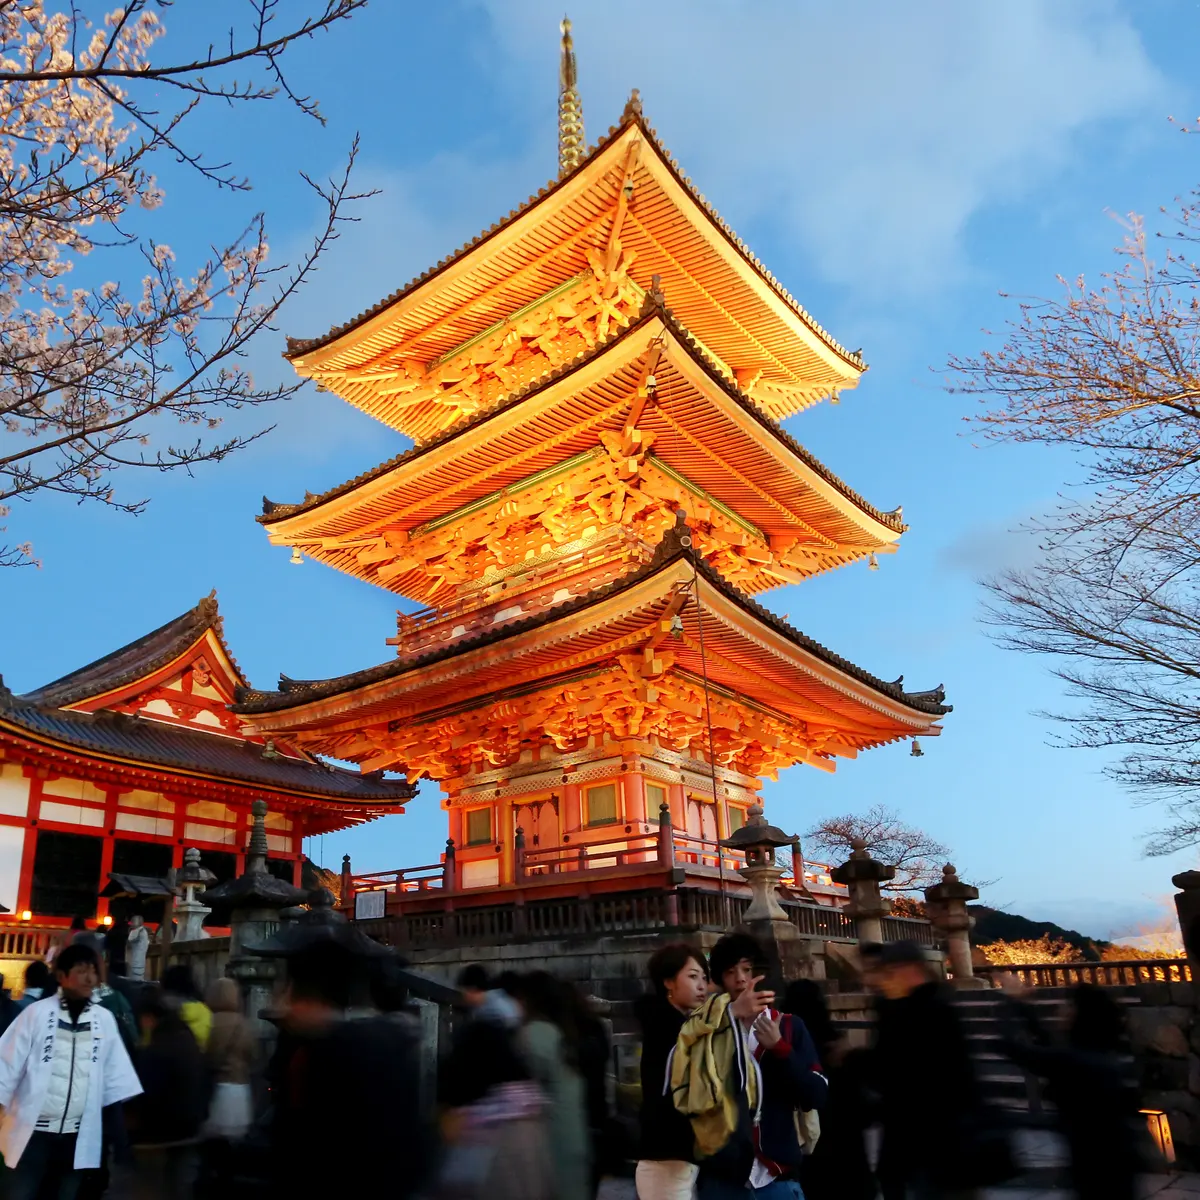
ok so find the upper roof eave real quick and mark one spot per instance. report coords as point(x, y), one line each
point(631, 118)
point(274, 513)
point(672, 549)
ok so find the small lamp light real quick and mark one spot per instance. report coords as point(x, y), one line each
point(27, 915)
point(916, 751)
point(872, 562)
point(106, 919)
point(1160, 1131)
point(297, 558)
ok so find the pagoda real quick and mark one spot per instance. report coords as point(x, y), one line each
point(598, 488)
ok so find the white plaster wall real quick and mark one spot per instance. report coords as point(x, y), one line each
point(14, 791)
point(12, 846)
point(73, 789)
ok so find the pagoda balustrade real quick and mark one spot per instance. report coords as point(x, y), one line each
point(620, 857)
point(523, 592)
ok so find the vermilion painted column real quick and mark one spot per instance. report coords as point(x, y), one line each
point(25, 888)
point(572, 818)
point(106, 848)
point(634, 787)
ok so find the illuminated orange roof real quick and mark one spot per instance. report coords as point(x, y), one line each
point(626, 207)
point(699, 432)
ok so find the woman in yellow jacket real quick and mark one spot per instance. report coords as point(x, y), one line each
point(179, 983)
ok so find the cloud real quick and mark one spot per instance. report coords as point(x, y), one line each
point(871, 133)
point(981, 551)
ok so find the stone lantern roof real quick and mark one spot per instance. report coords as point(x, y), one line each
point(756, 832)
point(256, 887)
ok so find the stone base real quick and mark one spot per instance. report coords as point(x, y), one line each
point(789, 956)
point(972, 983)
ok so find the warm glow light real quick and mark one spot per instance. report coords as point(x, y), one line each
point(106, 920)
point(27, 915)
point(1160, 1131)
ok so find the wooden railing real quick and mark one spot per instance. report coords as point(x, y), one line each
point(28, 941)
point(400, 880)
point(908, 929)
point(1105, 974)
point(625, 851)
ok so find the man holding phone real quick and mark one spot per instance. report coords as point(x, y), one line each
point(785, 1059)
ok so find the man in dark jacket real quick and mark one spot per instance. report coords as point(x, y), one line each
point(791, 1080)
point(165, 1120)
point(345, 1092)
point(931, 1110)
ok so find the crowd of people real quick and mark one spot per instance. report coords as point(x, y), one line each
point(97, 1079)
point(747, 1088)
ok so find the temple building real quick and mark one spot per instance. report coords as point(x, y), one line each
point(598, 489)
point(120, 765)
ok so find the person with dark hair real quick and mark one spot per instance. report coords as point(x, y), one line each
point(937, 1139)
point(790, 1082)
point(179, 983)
point(1097, 1106)
point(165, 1121)
point(485, 1000)
point(837, 1167)
point(496, 1126)
point(666, 1168)
point(62, 1063)
point(346, 1094)
point(548, 1042)
point(37, 980)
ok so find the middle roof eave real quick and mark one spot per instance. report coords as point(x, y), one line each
point(671, 567)
point(342, 509)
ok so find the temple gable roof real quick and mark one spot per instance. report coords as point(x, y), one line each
point(131, 664)
point(154, 744)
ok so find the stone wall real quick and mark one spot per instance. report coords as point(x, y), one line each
point(1165, 1038)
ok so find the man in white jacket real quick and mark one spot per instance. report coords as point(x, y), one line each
point(61, 1063)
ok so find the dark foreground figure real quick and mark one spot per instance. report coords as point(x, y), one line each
point(1086, 1080)
point(346, 1113)
point(939, 1140)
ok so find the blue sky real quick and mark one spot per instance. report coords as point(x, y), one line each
point(895, 165)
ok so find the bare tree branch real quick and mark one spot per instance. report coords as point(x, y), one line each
point(1113, 374)
point(917, 857)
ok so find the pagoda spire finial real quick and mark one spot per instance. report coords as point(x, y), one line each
point(570, 107)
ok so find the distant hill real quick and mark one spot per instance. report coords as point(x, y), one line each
point(992, 925)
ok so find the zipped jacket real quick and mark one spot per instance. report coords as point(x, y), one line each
point(37, 1042)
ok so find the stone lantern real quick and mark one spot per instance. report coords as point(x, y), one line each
point(789, 955)
point(946, 903)
point(862, 876)
point(254, 901)
point(190, 879)
point(758, 841)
